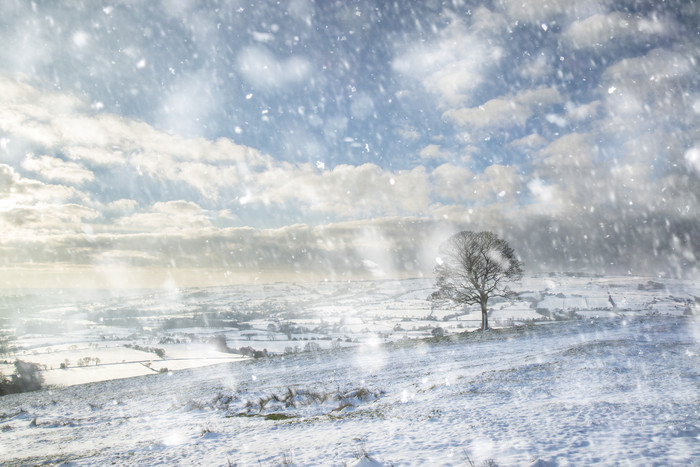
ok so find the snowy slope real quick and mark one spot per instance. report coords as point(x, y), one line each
point(608, 391)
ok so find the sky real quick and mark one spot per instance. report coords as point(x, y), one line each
point(194, 143)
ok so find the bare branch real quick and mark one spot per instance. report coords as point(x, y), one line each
point(475, 266)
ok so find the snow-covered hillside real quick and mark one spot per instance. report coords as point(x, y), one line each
point(611, 385)
point(621, 391)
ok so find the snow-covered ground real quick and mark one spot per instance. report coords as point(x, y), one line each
point(579, 382)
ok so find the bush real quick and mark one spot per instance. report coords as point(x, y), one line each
point(27, 378)
point(295, 398)
point(158, 351)
point(219, 342)
point(312, 347)
point(251, 352)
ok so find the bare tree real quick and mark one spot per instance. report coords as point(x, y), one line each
point(474, 266)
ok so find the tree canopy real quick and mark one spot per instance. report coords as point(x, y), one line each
point(474, 266)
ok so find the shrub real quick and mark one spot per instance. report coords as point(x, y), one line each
point(219, 342)
point(158, 351)
point(251, 352)
point(27, 378)
point(312, 347)
point(295, 398)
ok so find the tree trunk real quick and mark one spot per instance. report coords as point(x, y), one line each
point(484, 315)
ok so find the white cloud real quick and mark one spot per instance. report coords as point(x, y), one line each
point(18, 190)
point(570, 151)
point(62, 124)
point(26, 113)
point(650, 91)
point(557, 120)
point(538, 68)
point(658, 66)
point(602, 30)
point(583, 112)
point(572, 178)
point(488, 23)
point(346, 191)
point(168, 217)
point(506, 111)
point(32, 211)
point(497, 183)
point(530, 141)
point(411, 134)
point(452, 65)
point(177, 208)
point(52, 168)
point(95, 155)
point(452, 182)
point(122, 206)
point(544, 11)
point(188, 103)
point(569, 162)
point(112, 143)
point(549, 199)
point(265, 71)
point(496, 113)
point(207, 178)
point(434, 151)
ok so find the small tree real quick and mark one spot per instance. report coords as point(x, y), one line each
point(27, 377)
point(474, 266)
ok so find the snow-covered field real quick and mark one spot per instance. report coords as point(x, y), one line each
point(582, 371)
